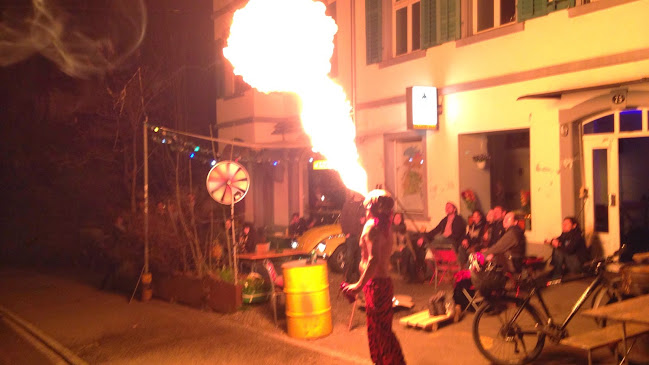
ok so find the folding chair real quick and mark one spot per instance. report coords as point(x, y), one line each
point(474, 300)
point(446, 265)
point(276, 286)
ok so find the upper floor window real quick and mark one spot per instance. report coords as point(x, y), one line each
point(489, 14)
point(406, 17)
point(415, 24)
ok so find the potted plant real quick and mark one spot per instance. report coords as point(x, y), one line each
point(481, 160)
point(469, 198)
point(255, 289)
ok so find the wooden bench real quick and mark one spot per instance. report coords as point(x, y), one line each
point(601, 337)
point(423, 320)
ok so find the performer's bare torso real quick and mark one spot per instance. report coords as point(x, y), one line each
point(377, 243)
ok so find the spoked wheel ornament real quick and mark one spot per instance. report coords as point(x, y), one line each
point(228, 183)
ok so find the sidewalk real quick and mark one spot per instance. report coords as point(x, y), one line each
point(67, 306)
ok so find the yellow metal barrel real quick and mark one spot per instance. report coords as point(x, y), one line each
point(308, 309)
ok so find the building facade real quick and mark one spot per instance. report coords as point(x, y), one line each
point(555, 93)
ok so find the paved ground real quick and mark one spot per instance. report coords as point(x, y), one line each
point(102, 327)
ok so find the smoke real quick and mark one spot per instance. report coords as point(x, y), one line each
point(84, 38)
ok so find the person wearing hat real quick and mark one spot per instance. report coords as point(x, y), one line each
point(449, 232)
point(375, 282)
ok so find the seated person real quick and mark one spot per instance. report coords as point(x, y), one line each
point(449, 232)
point(509, 251)
point(488, 227)
point(247, 239)
point(569, 251)
point(413, 260)
point(473, 239)
point(296, 226)
point(400, 242)
point(497, 229)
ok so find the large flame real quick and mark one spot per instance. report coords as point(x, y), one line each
point(285, 46)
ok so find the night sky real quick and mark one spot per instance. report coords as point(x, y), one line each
point(68, 138)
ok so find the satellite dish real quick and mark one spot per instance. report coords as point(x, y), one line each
point(228, 182)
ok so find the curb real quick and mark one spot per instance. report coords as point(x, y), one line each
point(67, 355)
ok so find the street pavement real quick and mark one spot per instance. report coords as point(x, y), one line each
point(100, 327)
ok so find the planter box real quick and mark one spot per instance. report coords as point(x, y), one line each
point(223, 297)
point(199, 293)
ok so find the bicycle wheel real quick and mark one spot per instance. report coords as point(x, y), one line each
point(501, 343)
point(605, 296)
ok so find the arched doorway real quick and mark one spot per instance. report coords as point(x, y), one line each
point(616, 197)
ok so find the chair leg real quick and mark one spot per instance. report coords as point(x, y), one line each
point(273, 302)
point(442, 277)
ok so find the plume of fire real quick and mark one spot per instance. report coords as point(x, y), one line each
point(285, 46)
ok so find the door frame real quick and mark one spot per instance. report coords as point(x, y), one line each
point(610, 241)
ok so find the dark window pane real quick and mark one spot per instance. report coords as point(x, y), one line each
point(630, 120)
point(416, 29)
point(507, 11)
point(601, 125)
point(402, 30)
point(600, 189)
point(485, 14)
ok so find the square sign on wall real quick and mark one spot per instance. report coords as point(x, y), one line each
point(421, 103)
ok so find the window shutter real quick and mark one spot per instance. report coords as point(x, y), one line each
point(528, 9)
point(453, 20)
point(525, 9)
point(428, 23)
point(540, 8)
point(560, 4)
point(373, 29)
point(443, 20)
point(449, 20)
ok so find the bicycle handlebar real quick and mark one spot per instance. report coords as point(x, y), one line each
point(596, 265)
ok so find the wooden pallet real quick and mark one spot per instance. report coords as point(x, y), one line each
point(425, 321)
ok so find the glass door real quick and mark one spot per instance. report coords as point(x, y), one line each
point(601, 210)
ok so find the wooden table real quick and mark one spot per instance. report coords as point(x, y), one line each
point(271, 255)
point(255, 258)
point(628, 311)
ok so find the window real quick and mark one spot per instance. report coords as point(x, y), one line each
point(528, 9)
point(604, 124)
point(490, 14)
point(406, 20)
point(630, 120)
point(416, 24)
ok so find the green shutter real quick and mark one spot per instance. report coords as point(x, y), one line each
point(449, 20)
point(443, 21)
point(454, 20)
point(373, 30)
point(528, 9)
point(525, 10)
point(540, 8)
point(560, 4)
point(428, 23)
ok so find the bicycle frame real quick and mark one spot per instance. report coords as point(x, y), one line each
point(536, 292)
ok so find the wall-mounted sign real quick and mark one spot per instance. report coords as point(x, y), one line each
point(421, 104)
point(321, 165)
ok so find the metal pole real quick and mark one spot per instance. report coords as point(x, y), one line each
point(234, 247)
point(146, 198)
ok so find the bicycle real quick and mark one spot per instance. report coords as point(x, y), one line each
point(509, 329)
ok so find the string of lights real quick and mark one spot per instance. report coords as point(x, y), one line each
point(186, 143)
